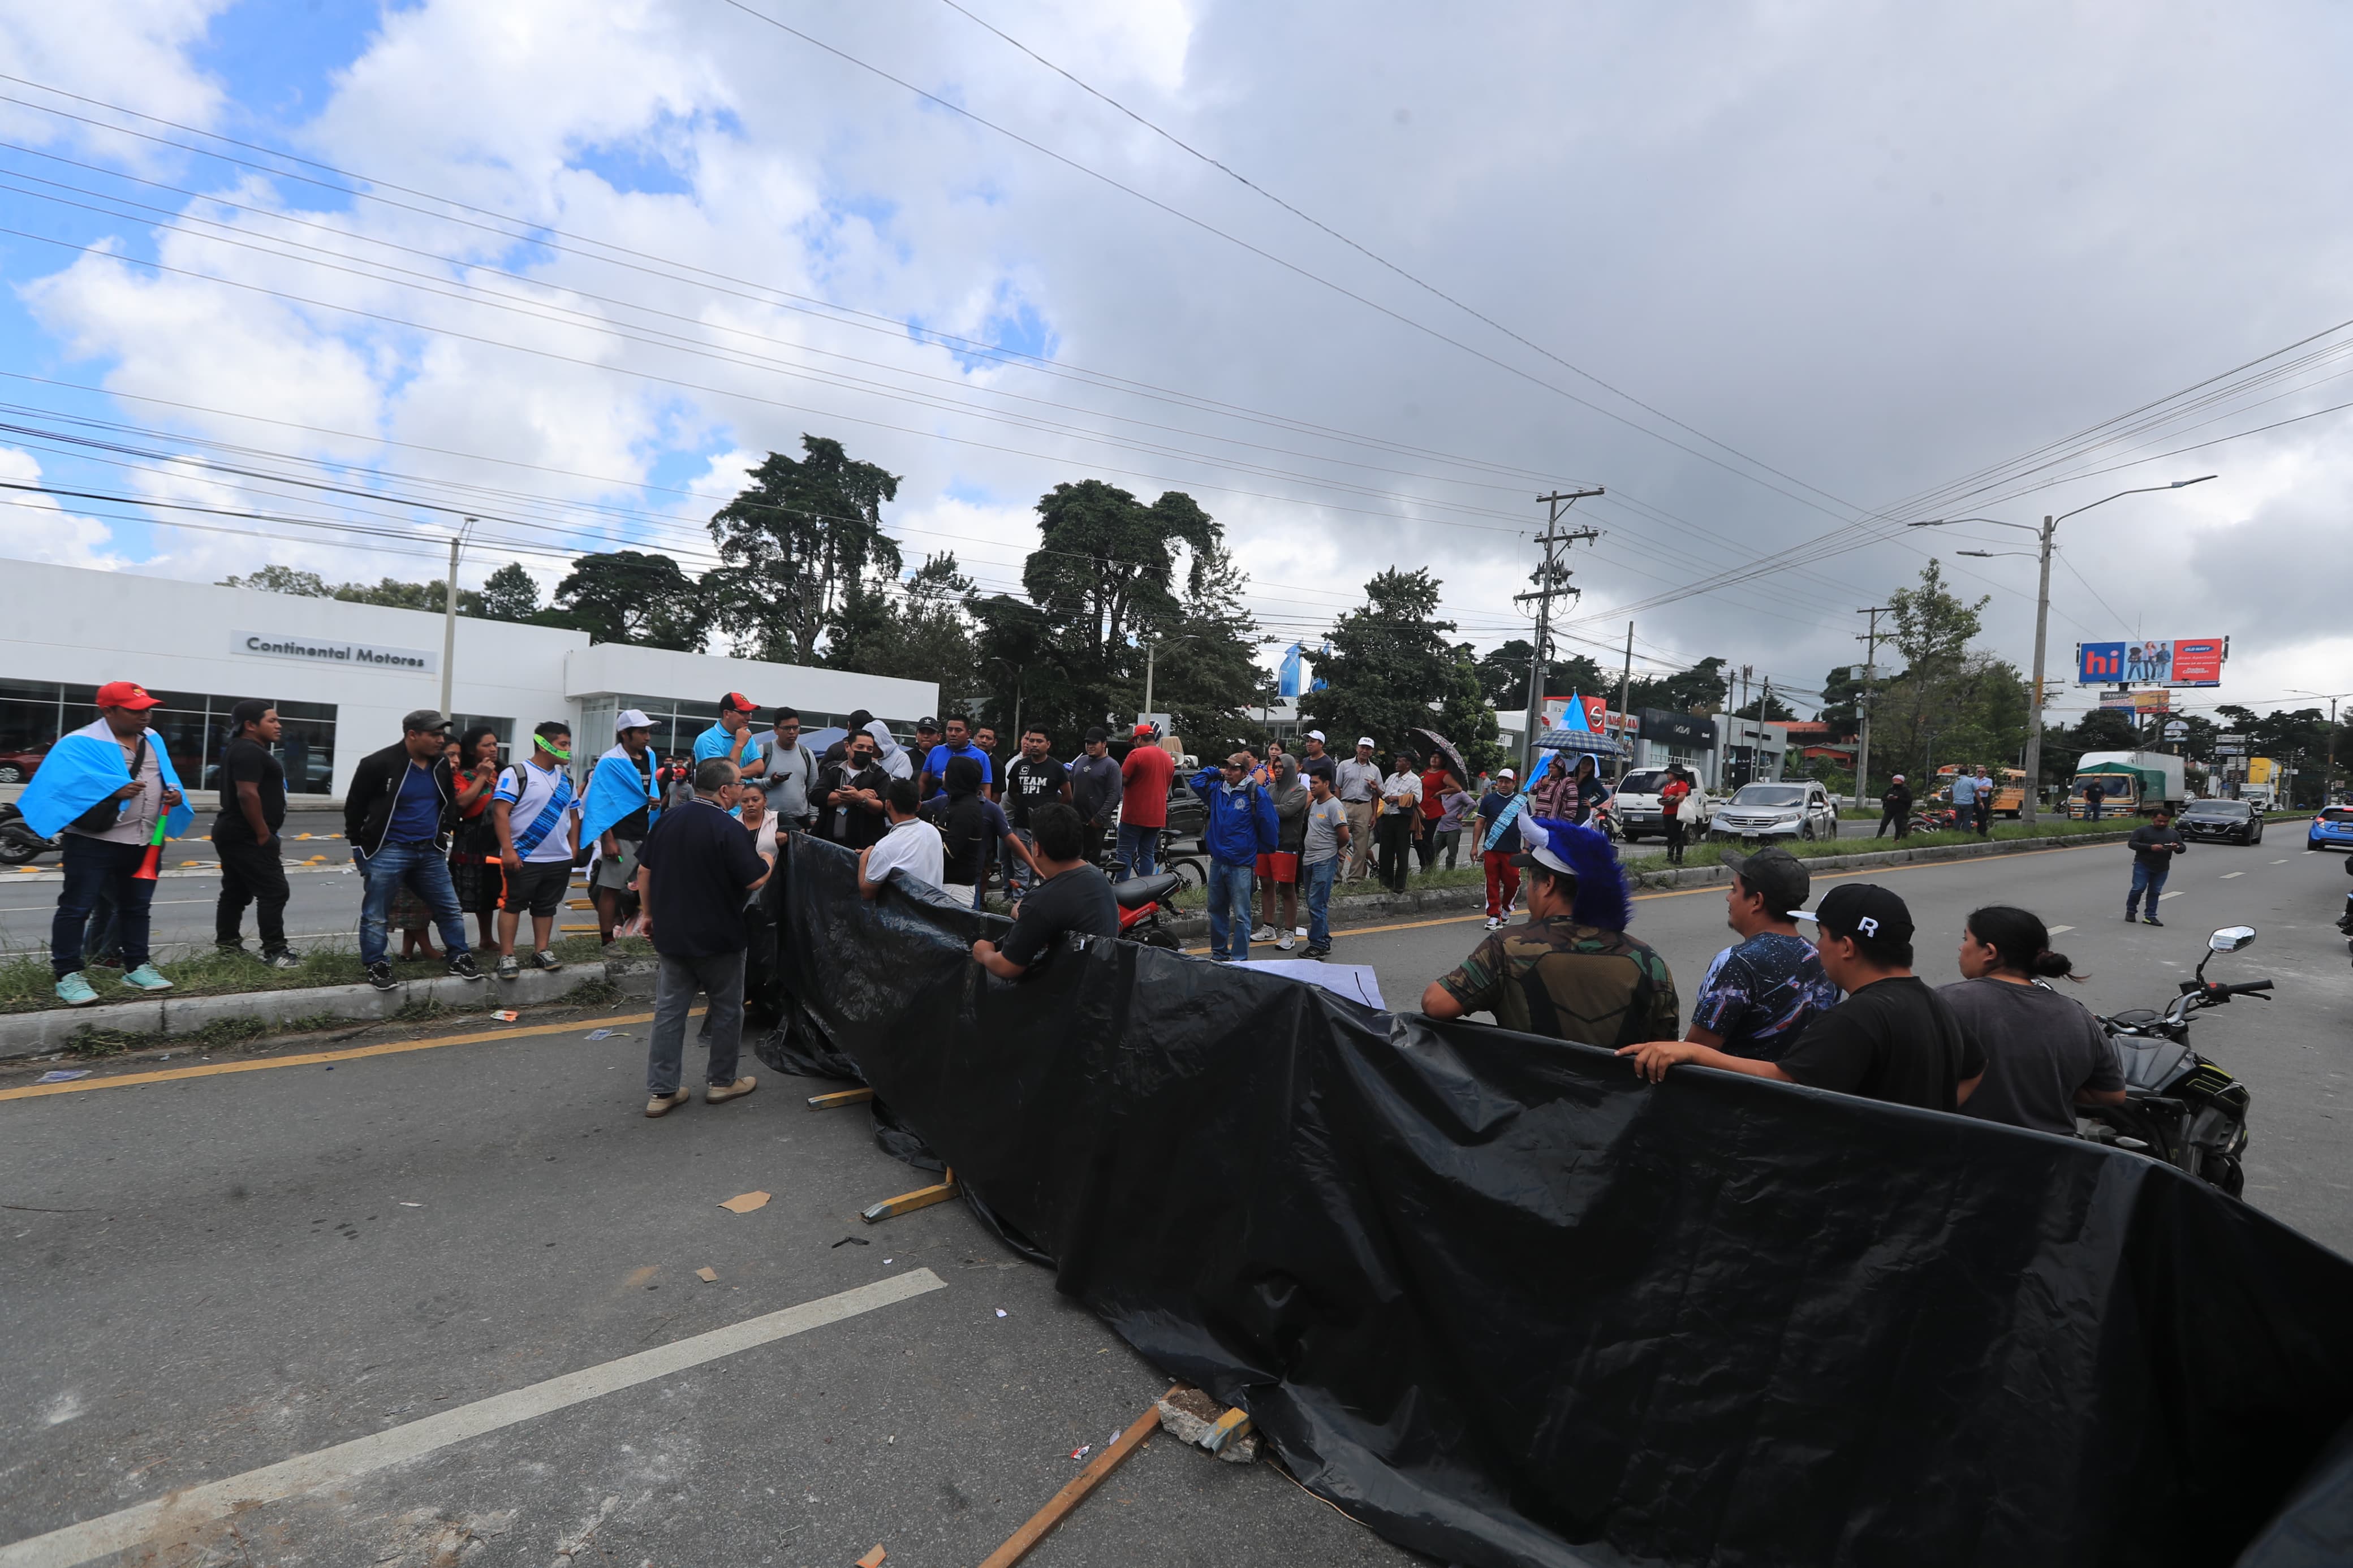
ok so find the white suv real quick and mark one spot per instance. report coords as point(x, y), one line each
point(1799, 808)
point(1637, 806)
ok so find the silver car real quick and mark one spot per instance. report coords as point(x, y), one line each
point(1797, 809)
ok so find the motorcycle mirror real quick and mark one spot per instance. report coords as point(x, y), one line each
point(2231, 939)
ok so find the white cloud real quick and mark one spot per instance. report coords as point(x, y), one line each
point(123, 52)
point(39, 528)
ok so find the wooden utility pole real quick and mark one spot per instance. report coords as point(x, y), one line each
point(1625, 692)
point(1552, 580)
point(1870, 641)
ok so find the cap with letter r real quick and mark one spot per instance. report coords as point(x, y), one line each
point(1861, 909)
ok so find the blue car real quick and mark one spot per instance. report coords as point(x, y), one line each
point(2332, 829)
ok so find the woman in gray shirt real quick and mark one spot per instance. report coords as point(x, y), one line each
point(2044, 1053)
point(1280, 870)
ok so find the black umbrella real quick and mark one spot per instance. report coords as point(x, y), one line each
point(1431, 741)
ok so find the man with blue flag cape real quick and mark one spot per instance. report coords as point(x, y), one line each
point(111, 788)
point(622, 807)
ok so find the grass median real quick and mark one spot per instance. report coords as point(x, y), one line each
point(27, 984)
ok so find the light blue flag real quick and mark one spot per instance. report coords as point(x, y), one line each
point(616, 790)
point(83, 768)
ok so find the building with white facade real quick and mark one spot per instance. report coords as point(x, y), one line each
point(341, 675)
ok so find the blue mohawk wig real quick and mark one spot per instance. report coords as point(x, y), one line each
point(1587, 855)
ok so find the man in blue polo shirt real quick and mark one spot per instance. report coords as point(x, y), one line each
point(957, 745)
point(731, 738)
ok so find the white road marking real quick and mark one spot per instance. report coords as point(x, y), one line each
point(2060, 930)
point(2276, 862)
point(93, 1539)
point(2177, 894)
point(2228, 875)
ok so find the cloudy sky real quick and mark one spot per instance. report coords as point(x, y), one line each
point(1780, 277)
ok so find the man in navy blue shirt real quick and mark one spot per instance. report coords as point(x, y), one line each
point(694, 871)
point(397, 814)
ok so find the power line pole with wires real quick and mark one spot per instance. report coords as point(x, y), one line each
point(1552, 581)
point(1870, 641)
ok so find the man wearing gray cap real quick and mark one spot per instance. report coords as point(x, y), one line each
point(396, 816)
point(1760, 994)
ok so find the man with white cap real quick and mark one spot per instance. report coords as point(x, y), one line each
point(1893, 1038)
point(1571, 972)
point(1499, 842)
point(1895, 806)
point(1357, 782)
point(622, 804)
point(1315, 763)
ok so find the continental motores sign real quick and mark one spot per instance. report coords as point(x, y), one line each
point(2183, 662)
point(320, 650)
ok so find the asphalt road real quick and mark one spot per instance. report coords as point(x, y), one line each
point(215, 1273)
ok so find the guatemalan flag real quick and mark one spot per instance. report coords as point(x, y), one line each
point(84, 768)
point(616, 790)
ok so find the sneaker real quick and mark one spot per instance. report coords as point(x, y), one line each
point(1263, 933)
point(508, 968)
point(2131, 918)
point(720, 1093)
point(546, 960)
point(2145, 920)
point(74, 991)
point(1495, 921)
point(146, 977)
point(234, 948)
point(1316, 952)
point(663, 1104)
point(284, 958)
point(380, 976)
point(462, 966)
point(1286, 941)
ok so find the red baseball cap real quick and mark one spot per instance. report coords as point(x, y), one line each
point(127, 694)
point(739, 702)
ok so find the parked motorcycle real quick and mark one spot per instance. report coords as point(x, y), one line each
point(20, 844)
point(1143, 901)
point(2179, 1107)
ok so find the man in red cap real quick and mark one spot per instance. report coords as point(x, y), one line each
point(731, 738)
point(107, 786)
point(1146, 777)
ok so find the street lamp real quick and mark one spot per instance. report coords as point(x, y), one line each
point(2031, 796)
point(1151, 656)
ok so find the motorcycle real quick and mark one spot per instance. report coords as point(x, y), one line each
point(1143, 901)
point(2179, 1107)
point(20, 844)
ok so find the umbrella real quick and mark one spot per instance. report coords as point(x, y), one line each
point(1431, 741)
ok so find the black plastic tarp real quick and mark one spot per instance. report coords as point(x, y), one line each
point(1499, 1300)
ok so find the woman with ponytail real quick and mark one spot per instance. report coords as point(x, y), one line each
point(2046, 1054)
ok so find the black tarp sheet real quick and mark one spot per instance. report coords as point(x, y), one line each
point(1497, 1300)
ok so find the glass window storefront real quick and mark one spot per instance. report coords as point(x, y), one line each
point(192, 726)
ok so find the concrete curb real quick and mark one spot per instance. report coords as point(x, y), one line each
point(53, 1029)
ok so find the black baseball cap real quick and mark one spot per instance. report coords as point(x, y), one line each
point(1861, 909)
point(1776, 873)
point(424, 721)
point(931, 725)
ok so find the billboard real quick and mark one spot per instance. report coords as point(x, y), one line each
point(2138, 701)
point(2183, 662)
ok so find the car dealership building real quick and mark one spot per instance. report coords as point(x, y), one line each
point(341, 675)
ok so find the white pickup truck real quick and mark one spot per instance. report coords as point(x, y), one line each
point(1637, 806)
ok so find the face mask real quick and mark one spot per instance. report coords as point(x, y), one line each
point(550, 751)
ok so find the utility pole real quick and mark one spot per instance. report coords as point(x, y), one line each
point(1552, 580)
point(450, 621)
point(1625, 692)
point(2033, 790)
point(1756, 737)
point(1870, 641)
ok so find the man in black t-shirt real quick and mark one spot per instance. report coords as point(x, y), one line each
point(693, 872)
point(1034, 779)
point(245, 835)
point(849, 794)
point(1072, 897)
point(1893, 1038)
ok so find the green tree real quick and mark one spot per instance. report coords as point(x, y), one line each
point(921, 630)
point(1208, 679)
point(1106, 567)
point(283, 579)
point(628, 596)
point(1504, 676)
point(1391, 669)
point(1842, 706)
point(1948, 705)
point(510, 593)
point(802, 546)
point(1701, 689)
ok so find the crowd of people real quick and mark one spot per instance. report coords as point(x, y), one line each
point(677, 849)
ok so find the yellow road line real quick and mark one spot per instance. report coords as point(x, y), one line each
point(390, 1047)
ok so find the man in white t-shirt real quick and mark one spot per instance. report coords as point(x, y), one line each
point(912, 846)
point(538, 824)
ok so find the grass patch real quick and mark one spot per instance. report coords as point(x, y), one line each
point(218, 1034)
point(597, 993)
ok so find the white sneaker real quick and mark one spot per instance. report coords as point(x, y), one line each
point(1263, 933)
point(1286, 941)
point(1493, 923)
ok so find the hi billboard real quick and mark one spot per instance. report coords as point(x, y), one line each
point(2183, 662)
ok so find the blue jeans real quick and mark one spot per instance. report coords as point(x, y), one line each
point(1230, 887)
point(1139, 850)
point(2146, 881)
point(1320, 875)
point(95, 869)
point(426, 871)
point(1017, 874)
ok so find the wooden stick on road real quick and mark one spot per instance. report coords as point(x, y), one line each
point(1086, 1480)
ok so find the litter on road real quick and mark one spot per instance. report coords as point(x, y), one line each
point(708, 1276)
point(874, 1558)
point(63, 1075)
point(745, 1203)
point(506, 1015)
